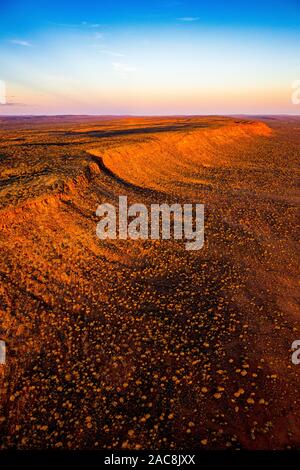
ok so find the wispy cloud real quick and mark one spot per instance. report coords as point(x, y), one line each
point(104, 50)
point(90, 25)
point(98, 35)
point(20, 42)
point(112, 53)
point(10, 103)
point(84, 24)
point(123, 69)
point(189, 18)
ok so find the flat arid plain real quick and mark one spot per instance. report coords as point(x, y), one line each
point(141, 344)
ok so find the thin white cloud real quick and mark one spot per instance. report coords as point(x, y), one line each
point(189, 18)
point(16, 104)
point(112, 53)
point(20, 42)
point(90, 25)
point(104, 50)
point(123, 69)
point(98, 35)
point(83, 24)
point(120, 67)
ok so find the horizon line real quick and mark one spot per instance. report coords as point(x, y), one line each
point(149, 115)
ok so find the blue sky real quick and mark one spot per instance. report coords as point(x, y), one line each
point(29, 16)
point(158, 57)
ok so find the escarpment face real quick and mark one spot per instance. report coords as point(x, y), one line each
point(168, 160)
point(141, 343)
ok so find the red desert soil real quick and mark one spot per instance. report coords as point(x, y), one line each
point(142, 344)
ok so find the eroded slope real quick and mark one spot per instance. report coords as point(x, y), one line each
point(141, 344)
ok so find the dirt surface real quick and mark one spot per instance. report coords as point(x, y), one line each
point(142, 344)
